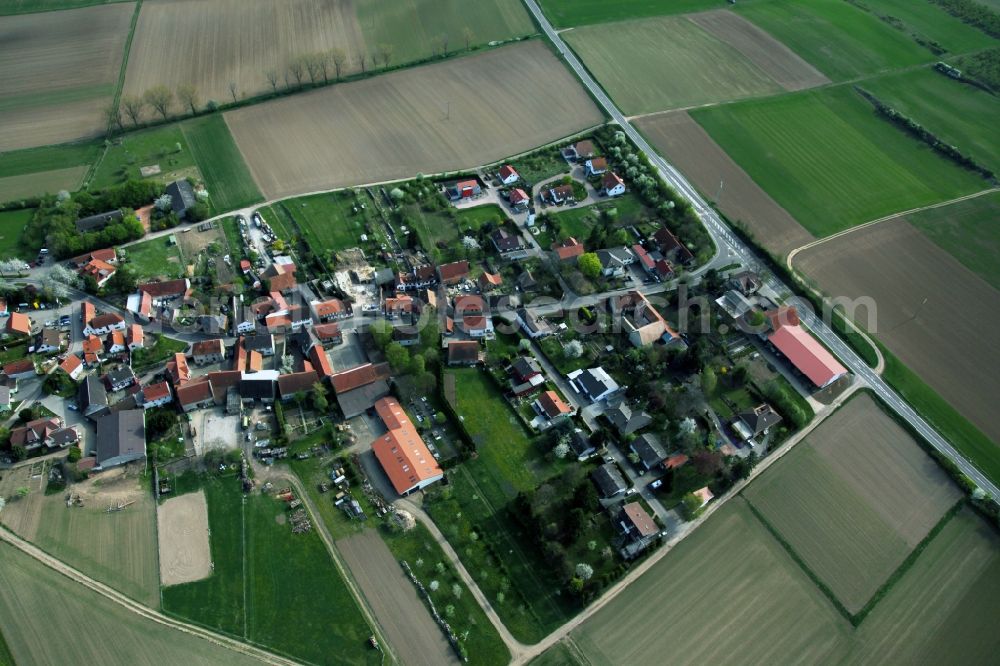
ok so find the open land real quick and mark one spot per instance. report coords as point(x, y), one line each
point(59, 73)
point(566, 13)
point(452, 115)
point(930, 21)
point(854, 499)
point(934, 325)
point(212, 44)
point(34, 593)
point(27, 185)
point(155, 258)
point(182, 529)
point(958, 114)
point(12, 225)
point(117, 548)
point(165, 147)
point(686, 144)
point(29, 6)
point(666, 63)
point(404, 618)
point(775, 59)
point(839, 39)
point(830, 161)
point(220, 163)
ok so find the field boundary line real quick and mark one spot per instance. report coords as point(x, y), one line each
point(137, 608)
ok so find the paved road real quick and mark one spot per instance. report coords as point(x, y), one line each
point(729, 245)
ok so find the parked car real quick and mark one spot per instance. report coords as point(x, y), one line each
point(656, 484)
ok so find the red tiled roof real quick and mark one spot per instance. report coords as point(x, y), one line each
point(177, 368)
point(19, 366)
point(453, 271)
point(208, 347)
point(567, 249)
point(106, 319)
point(87, 312)
point(255, 362)
point(168, 288)
point(507, 170)
point(598, 163)
point(223, 379)
point(644, 258)
point(135, 334)
point(71, 363)
point(807, 354)
point(402, 453)
point(327, 331)
point(92, 344)
point(611, 179)
point(490, 279)
point(782, 316)
point(294, 382)
point(198, 390)
point(675, 461)
point(19, 323)
point(361, 375)
point(518, 195)
point(156, 391)
point(463, 351)
point(553, 405)
point(107, 254)
point(321, 362)
point(334, 306)
point(641, 520)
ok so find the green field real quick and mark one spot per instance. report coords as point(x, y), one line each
point(968, 231)
point(164, 146)
point(29, 6)
point(411, 27)
point(229, 182)
point(666, 63)
point(578, 222)
point(958, 114)
point(559, 654)
point(327, 221)
point(36, 171)
point(837, 38)
point(17, 188)
point(79, 626)
point(930, 21)
point(566, 13)
point(271, 586)
point(155, 258)
point(12, 224)
point(830, 161)
point(440, 232)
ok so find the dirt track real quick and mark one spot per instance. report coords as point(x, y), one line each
point(692, 150)
point(182, 525)
point(393, 598)
point(932, 312)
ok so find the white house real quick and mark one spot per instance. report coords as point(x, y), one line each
point(104, 324)
point(613, 185)
point(596, 166)
point(507, 175)
point(594, 383)
point(615, 261)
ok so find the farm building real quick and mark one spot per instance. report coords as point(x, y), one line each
point(402, 453)
point(97, 222)
point(453, 273)
point(803, 350)
point(121, 438)
point(182, 198)
point(20, 369)
point(360, 387)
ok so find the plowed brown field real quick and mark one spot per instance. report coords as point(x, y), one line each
point(457, 114)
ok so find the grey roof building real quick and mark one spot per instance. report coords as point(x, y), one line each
point(649, 449)
point(356, 401)
point(582, 445)
point(261, 342)
point(609, 480)
point(754, 422)
point(98, 222)
point(92, 398)
point(595, 383)
point(626, 420)
point(121, 438)
point(182, 197)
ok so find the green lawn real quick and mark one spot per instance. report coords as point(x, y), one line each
point(155, 258)
point(837, 38)
point(271, 586)
point(158, 349)
point(12, 224)
point(557, 655)
point(666, 63)
point(566, 13)
point(413, 26)
point(930, 21)
point(830, 161)
point(327, 221)
point(578, 222)
point(229, 182)
point(440, 232)
point(164, 146)
point(540, 166)
point(968, 231)
point(30, 6)
point(47, 158)
point(956, 113)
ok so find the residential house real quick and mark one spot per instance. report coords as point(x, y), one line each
point(47, 432)
point(20, 369)
point(627, 420)
point(418, 277)
point(92, 398)
point(526, 281)
point(401, 452)
point(135, 338)
point(526, 375)
point(72, 366)
point(464, 352)
point(671, 247)
point(615, 261)
point(734, 304)
point(469, 304)
point(260, 386)
point(593, 383)
point(18, 324)
point(206, 352)
point(155, 395)
point(100, 271)
point(98, 222)
point(406, 336)
point(509, 244)
point(195, 394)
point(114, 343)
point(93, 347)
point(245, 266)
point(568, 249)
point(596, 166)
point(167, 290)
point(649, 449)
point(279, 277)
point(182, 198)
point(612, 185)
point(453, 273)
point(641, 322)
point(121, 438)
point(177, 369)
point(755, 422)
point(551, 407)
point(746, 282)
point(533, 326)
point(358, 388)
point(477, 326)
point(140, 304)
point(802, 350)
point(558, 194)
point(105, 323)
point(48, 341)
point(581, 150)
point(328, 334)
point(329, 310)
point(582, 445)
point(635, 523)
point(609, 480)
point(705, 495)
point(291, 383)
point(399, 306)
point(262, 343)
point(119, 378)
point(519, 199)
point(107, 255)
point(508, 176)
point(464, 189)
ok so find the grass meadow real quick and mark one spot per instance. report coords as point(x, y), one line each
point(830, 161)
point(666, 63)
point(836, 37)
point(12, 225)
point(327, 221)
point(440, 233)
point(568, 13)
point(931, 21)
point(36, 171)
point(155, 258)
point(8, 7)
point(229, 181)
point(165, 146)
point(271, 586)
point(968, 231)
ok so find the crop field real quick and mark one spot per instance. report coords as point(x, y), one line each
point(34, 171)
point(406, 621)
point(220, 163)
point(933, 325)
point(78, 624)
point(836, 37)
point(12, 225)
point(734, 596)
point(567, 13)
point(956, 113)
point(269, 585)
point(59, 72)
point(830, 161)
point(666, 63)
point(13, 188)
point(155, 258)
point(941, 609)
point(968, 231)
point(933, 22)
point(412, 27)
point(455, 114)
point(854, 499)
point(28, 6)
point(688, 146)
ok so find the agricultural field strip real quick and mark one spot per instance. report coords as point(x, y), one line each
point(137, 608)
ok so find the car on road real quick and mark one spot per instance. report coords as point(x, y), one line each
point(656, 484)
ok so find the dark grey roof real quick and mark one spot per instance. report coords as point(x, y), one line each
point(97, 222)
point(357, 400)
point(302, 338)
point(591, 383)
point(649, 449)
point(525, 366)
point(580, 443)
point(181, 196)
point(609, 480)
point(92, 395)
point(626, 419)
point(64, 436)
point(526, 281)
point(258, 389)
point(258, 342)
point(760, 419)
point(618, 256)
point(121, 434)
point(122, 373)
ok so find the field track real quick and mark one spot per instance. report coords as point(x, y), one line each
point(58, 72)
point(393, 598)
point(453, 115)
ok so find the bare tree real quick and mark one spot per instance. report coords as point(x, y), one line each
point(468, 36)
point(188, 96)
point(363, 60)
point(297, 70)
point(385, 51)
point(272, 78)
point(133, 106)
point(338, 57)
point(444, 43)
point(160, 98)
point(232, 90)
point(114, 115)
point(323, 62)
